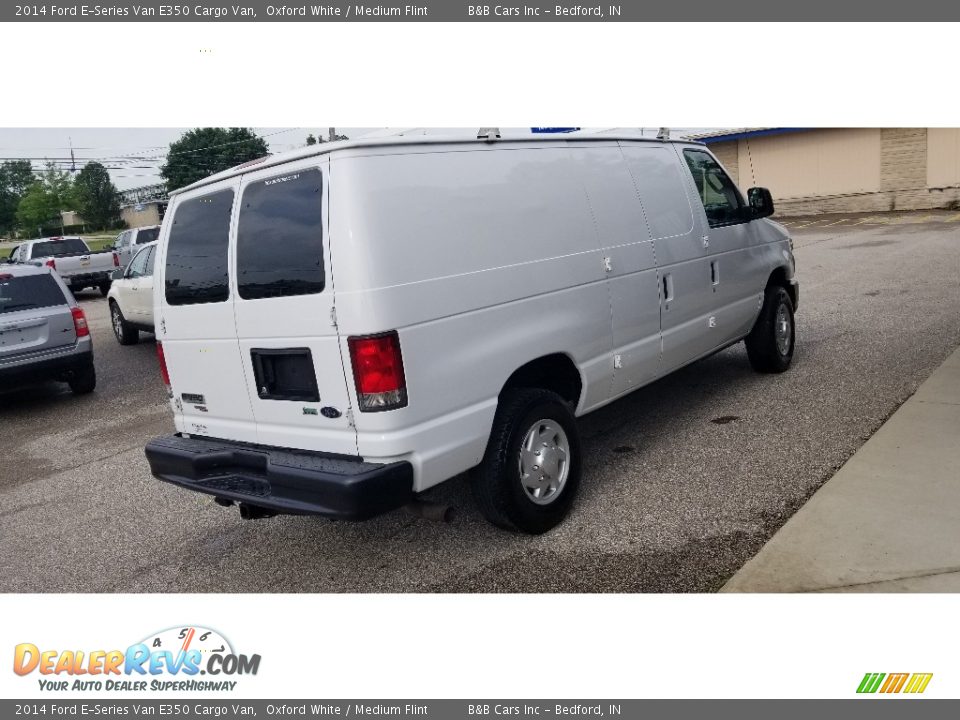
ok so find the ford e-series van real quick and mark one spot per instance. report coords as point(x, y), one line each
point(344, 326)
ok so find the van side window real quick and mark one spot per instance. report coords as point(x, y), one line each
point(719, 195)
point(196, 270)
point(280, 237)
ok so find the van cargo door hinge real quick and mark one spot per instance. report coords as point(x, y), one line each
point(333, 316)
point(607, 265)
point(617, 362)
point(163, 326)
point(706, 241)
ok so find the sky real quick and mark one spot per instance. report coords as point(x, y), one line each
point(134, 156)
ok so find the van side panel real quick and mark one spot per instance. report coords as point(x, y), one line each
point(483, 260)
point(633, 280)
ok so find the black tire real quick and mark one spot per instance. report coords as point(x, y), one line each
point(496, 482)
point(125, 333)
point(763, 348)
point(84, 380)
point(104, 288)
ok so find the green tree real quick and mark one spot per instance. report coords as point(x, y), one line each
point(38, 208)
point(204, 151)
point(95, 197)
point(16, 177)
point(41, 205)
point(311, 140)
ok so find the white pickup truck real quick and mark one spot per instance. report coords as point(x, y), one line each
point(73, 260)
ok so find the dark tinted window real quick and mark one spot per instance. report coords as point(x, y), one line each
point(196, 269)
point(279, 237)
point(719, 195)
point(58, 248)
point(148, 235)
point(29, 292)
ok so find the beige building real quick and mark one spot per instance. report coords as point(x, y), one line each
point(812, 171)
point(143, 214)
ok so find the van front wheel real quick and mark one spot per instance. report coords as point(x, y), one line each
point(531, 470)
point(770, 343)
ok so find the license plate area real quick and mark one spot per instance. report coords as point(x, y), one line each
point(285, 374)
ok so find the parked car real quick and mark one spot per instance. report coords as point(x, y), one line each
point(128, 241)
point(43, 332)
point(131, 297)
point(343, 327)
point(73, 260)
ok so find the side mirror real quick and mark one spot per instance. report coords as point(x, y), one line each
point(117, 274)
point(760, 201)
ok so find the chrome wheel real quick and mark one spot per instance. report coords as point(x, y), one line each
point(783, 330)
point(117, 321)
point(544, 461)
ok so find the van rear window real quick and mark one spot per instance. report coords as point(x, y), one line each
point(28, 292)
point(196, 270)
point(280, 237)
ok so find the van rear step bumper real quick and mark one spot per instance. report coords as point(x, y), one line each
point(282, 481)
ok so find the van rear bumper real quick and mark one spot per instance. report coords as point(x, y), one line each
point(280, 480)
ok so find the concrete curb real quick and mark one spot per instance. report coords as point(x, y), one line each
point(889, 520)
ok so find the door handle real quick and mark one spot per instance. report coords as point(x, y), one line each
point(714, 272)
point(667, 287)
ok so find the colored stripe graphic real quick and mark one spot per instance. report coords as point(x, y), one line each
point(918, 683)
point(894, 683)
point(870, 682)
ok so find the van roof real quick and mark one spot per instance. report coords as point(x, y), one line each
point(329, 147)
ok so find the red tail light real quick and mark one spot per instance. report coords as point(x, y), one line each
point(116, 260)
point(80, 322)
point(165, 376)
point(51, 263)
point(378, 372)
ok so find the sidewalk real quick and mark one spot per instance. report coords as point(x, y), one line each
point(889, 520)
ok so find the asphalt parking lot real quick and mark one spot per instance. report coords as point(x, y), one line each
point(684, 480)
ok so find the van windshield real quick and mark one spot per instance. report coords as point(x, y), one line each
point(280, 237)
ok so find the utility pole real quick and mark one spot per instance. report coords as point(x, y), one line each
point(333, 134)
point(73, 160)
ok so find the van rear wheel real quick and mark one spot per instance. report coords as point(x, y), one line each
point(770, 343)
point(531, 470)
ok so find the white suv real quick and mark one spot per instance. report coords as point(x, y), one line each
point(347, 325)
point(131, 296)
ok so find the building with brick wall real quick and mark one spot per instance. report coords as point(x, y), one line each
point(826, 170)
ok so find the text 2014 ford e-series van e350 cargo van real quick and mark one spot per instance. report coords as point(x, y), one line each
point(347, 325)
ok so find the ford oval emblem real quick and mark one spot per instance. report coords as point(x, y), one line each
point(330, 412)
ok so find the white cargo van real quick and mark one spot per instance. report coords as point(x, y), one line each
point(345, 326)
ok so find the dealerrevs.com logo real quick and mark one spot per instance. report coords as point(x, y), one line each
point(173, 660)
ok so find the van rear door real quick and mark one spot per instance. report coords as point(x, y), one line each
point(196, 323)
point(284, 309)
